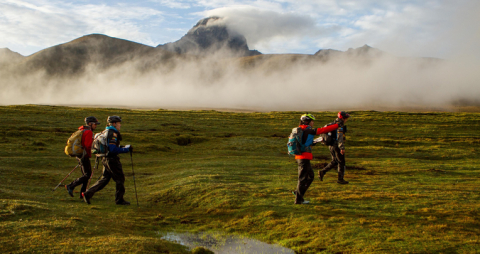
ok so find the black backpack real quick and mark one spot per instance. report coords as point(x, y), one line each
point(326, 139)
point(329, 138)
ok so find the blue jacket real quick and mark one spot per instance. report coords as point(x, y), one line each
point(114, 142)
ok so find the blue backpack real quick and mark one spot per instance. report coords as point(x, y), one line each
point(295, 146)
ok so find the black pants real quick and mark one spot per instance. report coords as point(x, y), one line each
point(86, 174)
point(305, 178)
point(338, 160)
point(112, 169)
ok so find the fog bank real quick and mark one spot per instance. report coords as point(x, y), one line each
point(264, 83)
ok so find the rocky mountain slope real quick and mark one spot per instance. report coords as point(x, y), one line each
point(209, 36)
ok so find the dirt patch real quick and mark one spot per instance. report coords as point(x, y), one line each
point(324, 164)
point(436, 170)
point(319, 165)
point(355, 168)
point(322, 157)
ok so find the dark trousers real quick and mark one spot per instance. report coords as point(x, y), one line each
point(112, 169)
point(338, 160)
point(305, 178)
point(86, 174)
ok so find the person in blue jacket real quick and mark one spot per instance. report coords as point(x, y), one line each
point(112, 167)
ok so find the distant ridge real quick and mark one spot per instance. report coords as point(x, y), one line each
point(8, 57)
point(210, 36)
point(364, 51)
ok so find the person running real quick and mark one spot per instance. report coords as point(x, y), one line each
point(87, 140)
point(112, 167)
point(305, 171)
point(337, 150)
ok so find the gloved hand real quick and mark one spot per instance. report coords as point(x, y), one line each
point(130, 148)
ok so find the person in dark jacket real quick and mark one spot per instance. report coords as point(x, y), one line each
point(305, 171)
point(112, 167)
point(87, 140)
point(337, 150)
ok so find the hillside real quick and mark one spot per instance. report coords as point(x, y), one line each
point(99, 51)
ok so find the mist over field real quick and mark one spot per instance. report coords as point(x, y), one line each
point(282, 82)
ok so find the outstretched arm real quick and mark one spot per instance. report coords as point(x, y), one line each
point(327, 129)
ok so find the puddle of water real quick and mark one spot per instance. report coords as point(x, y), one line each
point(225, 244)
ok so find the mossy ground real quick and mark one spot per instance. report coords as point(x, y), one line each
point(413, 183)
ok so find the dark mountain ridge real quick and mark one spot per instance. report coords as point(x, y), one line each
point(208, 36)
point(103, 51)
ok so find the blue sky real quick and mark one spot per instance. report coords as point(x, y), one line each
point(435, 28)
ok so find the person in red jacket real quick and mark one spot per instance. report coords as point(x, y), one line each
point(87, 140)
point(337, 150)
point(305, 171)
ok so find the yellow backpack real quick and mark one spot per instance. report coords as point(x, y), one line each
point(74, 145)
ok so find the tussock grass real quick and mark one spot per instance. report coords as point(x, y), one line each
point(413, 183)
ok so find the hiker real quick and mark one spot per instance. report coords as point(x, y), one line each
point(337, 149)
point(84, 161)
point(112, 167)
point(305, 171)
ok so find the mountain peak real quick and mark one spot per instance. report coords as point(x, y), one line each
point(212, 20)
point(211, 35)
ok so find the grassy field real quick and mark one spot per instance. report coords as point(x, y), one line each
point(413, 183)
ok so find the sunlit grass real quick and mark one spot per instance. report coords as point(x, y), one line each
point(413, 183)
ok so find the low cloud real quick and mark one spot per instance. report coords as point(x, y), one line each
point(264, 28)
point(275, 83)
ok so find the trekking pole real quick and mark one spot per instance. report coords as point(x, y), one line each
point(131, 158)
point(67, 176)
point(93, 171)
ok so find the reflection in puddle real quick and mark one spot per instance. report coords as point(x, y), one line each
point(224, 244)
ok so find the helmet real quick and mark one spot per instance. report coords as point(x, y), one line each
point(91, 119)
point(114, 119)
point(307, 117)
point(343, 115)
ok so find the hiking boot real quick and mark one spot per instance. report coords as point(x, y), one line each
point(124, 202)
point(321, 174)
point(85, 198)
point(342, 181)
point(70, 190)
point(304, 202)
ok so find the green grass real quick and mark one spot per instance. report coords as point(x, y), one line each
point(413, 183)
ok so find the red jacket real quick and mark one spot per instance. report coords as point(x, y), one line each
point(87, 140)
point(308, 134)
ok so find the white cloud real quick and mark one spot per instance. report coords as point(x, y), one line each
point(405, 28)
point(174, 4)
point(266, 29)
point(34, 25)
